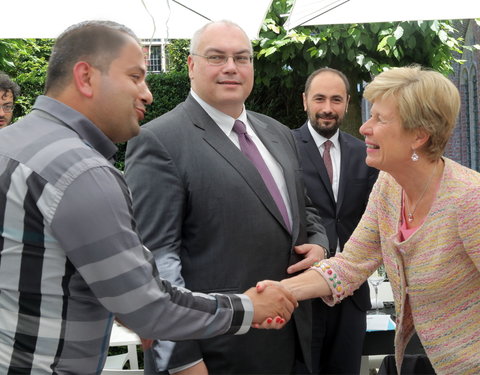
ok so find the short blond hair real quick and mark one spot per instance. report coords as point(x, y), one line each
point(426, 100)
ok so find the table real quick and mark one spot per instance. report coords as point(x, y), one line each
point(381, 342)
point(378, 344)
point(122, 336)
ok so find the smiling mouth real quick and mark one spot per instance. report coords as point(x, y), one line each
point(141, 113)
point(373, 147)
point(228, 83)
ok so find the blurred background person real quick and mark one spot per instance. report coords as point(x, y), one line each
point(338, 182)
point(422, 222)
point(9, 92)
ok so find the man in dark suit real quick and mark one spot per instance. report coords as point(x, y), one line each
point(209, 212)
point(340, 198)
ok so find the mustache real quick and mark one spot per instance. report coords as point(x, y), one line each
point(326, 116)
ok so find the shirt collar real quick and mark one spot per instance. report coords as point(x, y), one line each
point(224, 121)
point(320, 139)
point(87, 130)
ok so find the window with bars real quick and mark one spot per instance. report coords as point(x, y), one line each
point(154, 52)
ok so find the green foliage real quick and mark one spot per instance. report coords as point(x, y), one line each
point(284, 59)
point(177, 52)
point(8, 48)
point(168, 90)
point(25, 61)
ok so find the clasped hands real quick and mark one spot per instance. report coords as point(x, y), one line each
point(273, 301)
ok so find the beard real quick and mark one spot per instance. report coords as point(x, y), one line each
point(325, 124)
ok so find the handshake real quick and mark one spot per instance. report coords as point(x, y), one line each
point(273, 305)
point(274, 301)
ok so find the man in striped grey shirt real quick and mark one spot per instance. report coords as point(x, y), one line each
point(70, 257)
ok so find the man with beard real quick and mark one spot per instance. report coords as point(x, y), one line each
point(9, 91)
point(338, 182)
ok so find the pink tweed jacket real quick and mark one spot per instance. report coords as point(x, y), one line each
point(434, 274)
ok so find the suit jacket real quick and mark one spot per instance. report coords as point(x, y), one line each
point(200, 203)
point(356, 181)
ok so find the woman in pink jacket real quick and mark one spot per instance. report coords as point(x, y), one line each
point(422, 222)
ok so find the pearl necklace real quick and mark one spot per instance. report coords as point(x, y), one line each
point(410, 214)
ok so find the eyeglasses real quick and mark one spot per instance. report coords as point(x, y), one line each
point(7, 108)
point(218, 60)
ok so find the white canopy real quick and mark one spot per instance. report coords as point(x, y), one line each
point(172, 19)
point(327, 12)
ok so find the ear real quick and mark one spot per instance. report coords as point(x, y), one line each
point(190, 64)
point(421, 137)
point(304, 102)
point(82, 77)
point(348, 102)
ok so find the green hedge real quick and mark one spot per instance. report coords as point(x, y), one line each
point(168, 90)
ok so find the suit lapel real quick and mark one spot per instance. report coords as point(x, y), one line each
point(316, 159)
point(217, 139)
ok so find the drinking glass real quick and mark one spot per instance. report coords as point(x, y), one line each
point(375, 280)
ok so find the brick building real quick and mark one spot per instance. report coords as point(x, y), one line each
point(464, 146)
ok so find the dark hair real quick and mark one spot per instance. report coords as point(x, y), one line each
point(96, 42)
point(7, 85)
point(344, 78)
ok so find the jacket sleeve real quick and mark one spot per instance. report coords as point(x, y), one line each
point(362, 253)
point(159, 205)
point(468, 219)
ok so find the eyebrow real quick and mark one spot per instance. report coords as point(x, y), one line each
point(321, 96)
point(138, 68)
point(219, 51)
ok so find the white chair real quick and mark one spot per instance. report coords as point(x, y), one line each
point(116, 362)
point(122, 336)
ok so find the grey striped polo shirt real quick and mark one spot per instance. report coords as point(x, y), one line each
point(71, 259)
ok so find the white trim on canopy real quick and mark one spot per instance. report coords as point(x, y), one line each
point(174, 19)
point(329, 12)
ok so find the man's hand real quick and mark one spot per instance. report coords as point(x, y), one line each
point(146, 343)
point(272, 302)
point(312, 253)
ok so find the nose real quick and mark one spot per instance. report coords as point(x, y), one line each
point(146, 95)
point(327, 106)
point(365, 129)
point(230, 64)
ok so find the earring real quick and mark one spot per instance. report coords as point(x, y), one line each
point(415, 156)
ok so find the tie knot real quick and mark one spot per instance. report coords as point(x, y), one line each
point(327, 144)
point(239, 127)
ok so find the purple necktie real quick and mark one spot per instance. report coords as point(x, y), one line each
point(327, 159)
point(251, 151)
